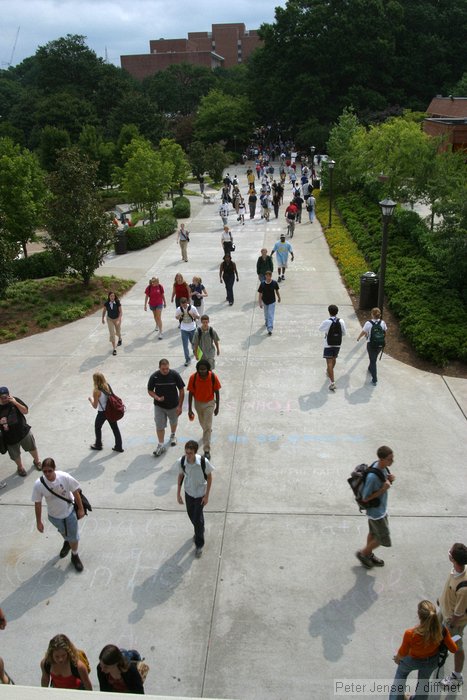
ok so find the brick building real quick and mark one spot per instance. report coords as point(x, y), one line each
point(447, 117)
point(225, 45)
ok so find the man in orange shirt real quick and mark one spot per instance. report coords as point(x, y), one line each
point(203, 387)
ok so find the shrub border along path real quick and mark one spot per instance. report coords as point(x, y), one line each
point(352, 264)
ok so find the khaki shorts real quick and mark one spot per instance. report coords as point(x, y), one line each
point(27, 443)
point(380, 531)
point(455, 630)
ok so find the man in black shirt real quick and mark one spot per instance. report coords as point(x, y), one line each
point(267, 292)
point(15, 433)
point(166, 387)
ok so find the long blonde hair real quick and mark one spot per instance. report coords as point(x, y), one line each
point(100, 382)
point(61, 641)
point(430, 626)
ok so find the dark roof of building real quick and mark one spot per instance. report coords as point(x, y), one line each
point(453, 107)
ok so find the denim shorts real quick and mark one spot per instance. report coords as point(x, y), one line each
point(157, 306)
point(331, 351)
point(67, 527)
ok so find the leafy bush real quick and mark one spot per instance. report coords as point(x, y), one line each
point(182, 207)
point(432, 314)
point(38, 266)
point(143, 236)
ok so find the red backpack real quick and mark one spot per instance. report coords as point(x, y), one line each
point(115, 408)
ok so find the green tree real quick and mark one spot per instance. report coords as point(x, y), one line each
point(78, 231)
point(221, 116)
point(7, 254)
point(197, 156)
point(52, 140)
point(216, 161)
point(146, 176)
point(22, 193)
point(341, 149)
point(179, 88)
point(173, 153)
point(67, 64)
point(102, 152)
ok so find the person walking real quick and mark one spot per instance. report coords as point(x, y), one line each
point(310, 207)
point(282, 248)
point(5, 679)
point(100, 395)
point(15, 433)
point(375, 494)
point(60, 491)
point(206, 342)
point(224, 212)
point(183, 238)
point(167, 390)
point(180, 289)
point(198, 294)
point(227, 274)
point(419, 651)
point(113, 310)
point(267, 293)
point(227, 240)
point(116, 674)
point(334, 329)
point(453, 609)
point(264, 264)
point(196, 474)
point(203, 387)
point(375, 332)
point(154, 293)
point(63, 667)
point(187, 316)
point(252, 199)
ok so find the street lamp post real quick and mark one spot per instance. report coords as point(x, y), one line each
point(387, 210)
point(331, 165)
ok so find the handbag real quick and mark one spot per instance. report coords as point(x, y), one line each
point(86, 505)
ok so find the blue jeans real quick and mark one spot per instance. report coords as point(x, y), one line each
point(269, 310)
point(311, 215)
point(425, 668)
point(67, 527)
point(187, 338)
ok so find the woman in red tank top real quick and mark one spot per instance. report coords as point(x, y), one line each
point(62, 666)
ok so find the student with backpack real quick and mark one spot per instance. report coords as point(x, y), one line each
point(195, 472)
point(334, 329)
point(375, 332)
point(374, 497)
point(101, 395)
point(65, 666)
point(187, 316)
point(203, 387)
point(206, 342)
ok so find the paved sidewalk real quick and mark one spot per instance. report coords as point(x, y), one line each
point(278, 605)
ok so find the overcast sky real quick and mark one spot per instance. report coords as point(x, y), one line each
point(118, 26)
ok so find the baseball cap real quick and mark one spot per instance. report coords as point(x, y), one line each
point(282, 235)
point(4, 390)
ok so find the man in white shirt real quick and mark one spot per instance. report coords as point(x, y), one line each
point(187, 315)
point(60, 491)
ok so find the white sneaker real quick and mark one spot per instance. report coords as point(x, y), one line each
point(159, 450)
point(452, 682)
point(332, 386)
point(173, 439)
point(160, 336)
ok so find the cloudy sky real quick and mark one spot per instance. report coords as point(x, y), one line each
point(118, 26)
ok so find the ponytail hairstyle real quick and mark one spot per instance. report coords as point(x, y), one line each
point(430, 627)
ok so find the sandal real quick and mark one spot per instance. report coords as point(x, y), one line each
point(21, 471)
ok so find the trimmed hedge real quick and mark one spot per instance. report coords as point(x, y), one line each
point(432, 315)
point(38, 266)
point(143, 236)
point(181, 207)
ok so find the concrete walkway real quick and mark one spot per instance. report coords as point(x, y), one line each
point(278, 606)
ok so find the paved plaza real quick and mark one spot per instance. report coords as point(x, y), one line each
point(278, 606)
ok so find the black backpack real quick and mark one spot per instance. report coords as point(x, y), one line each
point(203, 466)
point(356, 482)
point(199, 331)
point(334, 334)
point(377, 335)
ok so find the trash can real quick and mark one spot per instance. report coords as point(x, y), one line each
point(121, 243)
point(316, 183)
point(369, 285)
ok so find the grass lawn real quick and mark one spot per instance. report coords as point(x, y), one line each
point(33, 306)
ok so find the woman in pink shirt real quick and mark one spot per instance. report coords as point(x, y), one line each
point(155, 295)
